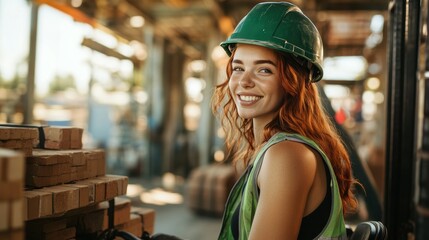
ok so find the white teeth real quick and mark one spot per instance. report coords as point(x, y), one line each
point(249, 98)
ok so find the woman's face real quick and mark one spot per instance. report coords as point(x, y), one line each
point(255, 84)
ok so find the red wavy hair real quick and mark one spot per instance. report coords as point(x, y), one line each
point(301, 113)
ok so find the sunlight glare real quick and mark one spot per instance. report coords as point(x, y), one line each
point(161, 197)
point(134, 190)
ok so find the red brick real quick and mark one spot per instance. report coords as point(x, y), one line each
point(32, 205)
point(84, 194)
point(76, 134)
point(133, 226)
point(91, 191)
point(4, 212)
point(11, 190)
point(46, 157)
point(122, 211)
point(99, 188)
point(57, 134)
point(45, 208)
point(4, 133)
point(47, 170)
point(16, 214)
point(120, 182)
point(61, 198)
point(13, 163)
point(147, 216)
point(49, 144)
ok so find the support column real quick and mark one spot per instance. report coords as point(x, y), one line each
point(401, 117)
point(29, 95)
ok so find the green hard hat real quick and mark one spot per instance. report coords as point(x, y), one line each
point(281, 26)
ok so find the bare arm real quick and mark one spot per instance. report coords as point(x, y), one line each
point(286, 177)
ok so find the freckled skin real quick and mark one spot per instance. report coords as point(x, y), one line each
point(255, 73)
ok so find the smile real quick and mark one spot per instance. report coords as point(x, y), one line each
point(248, 98)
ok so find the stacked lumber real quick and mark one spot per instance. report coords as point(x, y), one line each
point(61, 190)
point(11, 194)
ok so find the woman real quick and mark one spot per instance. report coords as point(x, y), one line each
point(298, 180)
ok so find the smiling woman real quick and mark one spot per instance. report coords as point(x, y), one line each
point(298, 180)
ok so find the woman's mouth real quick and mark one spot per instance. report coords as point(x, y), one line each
point(248, 98)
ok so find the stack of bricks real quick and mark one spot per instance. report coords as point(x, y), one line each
point(131, 219)
point(20, 139)
point(63, 137)
point(11, 195)
point(67, 190)
point(94, 221)
point(52, 167)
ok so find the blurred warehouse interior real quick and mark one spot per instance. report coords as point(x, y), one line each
point(138, 75)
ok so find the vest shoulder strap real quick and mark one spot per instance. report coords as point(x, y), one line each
point(335, 226)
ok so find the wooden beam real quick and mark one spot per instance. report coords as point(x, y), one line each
point(67, 9)
point(87, 42)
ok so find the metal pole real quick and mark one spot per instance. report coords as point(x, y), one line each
point(29, 95)
point(401, 117)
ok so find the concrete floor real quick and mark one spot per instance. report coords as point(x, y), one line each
point(174, 218)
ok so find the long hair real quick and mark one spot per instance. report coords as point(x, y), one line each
point(301, 113)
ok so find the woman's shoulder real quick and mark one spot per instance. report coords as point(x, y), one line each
point(288, 163)
point(290, 156)
point(290, 150)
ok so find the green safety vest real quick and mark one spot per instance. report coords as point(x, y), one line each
point(245, 196)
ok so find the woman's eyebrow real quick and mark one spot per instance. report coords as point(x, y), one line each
point(256, 62)
point(265, 62)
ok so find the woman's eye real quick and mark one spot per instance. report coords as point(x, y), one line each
point(236, 69)
point(265, 70)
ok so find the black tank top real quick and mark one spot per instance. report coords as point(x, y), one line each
point(311, 225)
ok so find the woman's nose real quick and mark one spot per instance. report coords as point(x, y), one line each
point(246, 81)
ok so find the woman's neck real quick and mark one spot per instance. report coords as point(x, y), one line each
point(258, 133)
point(259, 124)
